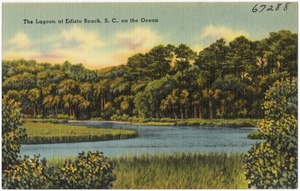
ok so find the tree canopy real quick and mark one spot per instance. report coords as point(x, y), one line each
point(224, 80)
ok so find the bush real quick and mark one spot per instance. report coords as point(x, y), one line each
point(273, 163)
point(88, 171)
point(28, 174)
point(123, 117)
point(11, 134)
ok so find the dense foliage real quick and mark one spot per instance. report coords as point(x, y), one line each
point(91, 170)
point(88, 171)
point(222, 81)
point(11, 134)
point(273, 163)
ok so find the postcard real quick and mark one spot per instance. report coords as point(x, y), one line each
point(149, 95)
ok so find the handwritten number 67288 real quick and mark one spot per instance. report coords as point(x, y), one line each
point(258, 8)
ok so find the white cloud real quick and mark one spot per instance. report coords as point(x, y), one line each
point(20, 41)
point(138, 39)
point(197, 48)
point(79, 38)
point(78, 45)
point(213, 33)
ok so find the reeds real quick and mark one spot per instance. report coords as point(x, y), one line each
point(180, 171)
point(239, 122)
point(176, 171)
point(39, 133)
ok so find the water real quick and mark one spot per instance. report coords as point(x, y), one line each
point(152, 140)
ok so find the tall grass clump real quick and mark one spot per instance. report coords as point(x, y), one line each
point(238, 122)
point(39, 133)
point(180, 171)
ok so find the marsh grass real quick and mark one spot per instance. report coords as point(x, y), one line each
point(176, 171)
point(180, 171)
point(62, 133)
point(238, 122)
point(255, 135)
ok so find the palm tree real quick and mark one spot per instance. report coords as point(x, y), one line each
point(211, 95)
point(172, 99)
point(100, 90)
point(68, 103)
point(183, 102)
point(55, 102)
point(67, 87)
point(85, 89)
point(33, 96)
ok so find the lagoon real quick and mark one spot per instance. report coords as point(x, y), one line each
point(152, 140)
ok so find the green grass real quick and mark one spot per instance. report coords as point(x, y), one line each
point(180, 171)
point(176, 171)
point(239, 122)
point(62, 133)
point(255, 135)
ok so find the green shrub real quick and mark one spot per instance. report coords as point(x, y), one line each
point(88, 171)
point(273, 163)
point(11, 134)
point(28, 174)
point(168, 120)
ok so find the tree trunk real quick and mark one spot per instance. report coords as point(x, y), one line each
point(174, 113)
point(200, 112)
point(181, 113)
point(104, 101)
point(56, 108)
point(70, 111)
point(101, 103)
point(211, 110)
point(195, 111)
point(186, 113)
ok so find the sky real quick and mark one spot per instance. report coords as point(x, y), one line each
point(98, 45)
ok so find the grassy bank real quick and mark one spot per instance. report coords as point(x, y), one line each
point(237, 122)
point(180, 171)
point(62, 133)
point(255, 135)
point(177, 171)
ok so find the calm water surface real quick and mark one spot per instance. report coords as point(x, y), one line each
point(152, 140)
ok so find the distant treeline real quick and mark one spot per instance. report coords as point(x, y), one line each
point(224, 80)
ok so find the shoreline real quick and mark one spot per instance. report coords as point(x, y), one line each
point(192, 122)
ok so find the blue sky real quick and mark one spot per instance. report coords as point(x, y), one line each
point(100, 45)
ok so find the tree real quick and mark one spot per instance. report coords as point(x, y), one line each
point(85, 89)
point(67, 87)
point(273, 163)
point(100, 90)
point(185, 56)
point(52, 101)
point(281, 52)
point(211, 95)
point(147, 102)
point(184, 103)
point(158, 61)
point(34, 96)
point(240, 56)
point(68, 103)
point(172, 100)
